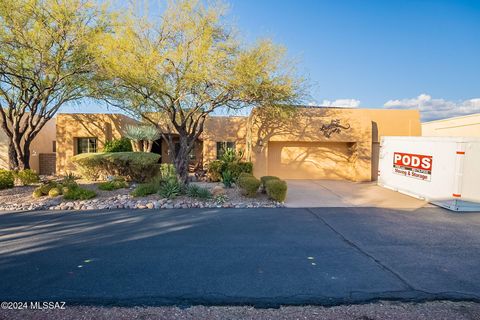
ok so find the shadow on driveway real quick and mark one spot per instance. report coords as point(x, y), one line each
point(262, 257)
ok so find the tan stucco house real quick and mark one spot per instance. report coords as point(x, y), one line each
point(314, 143)
point(463, 126)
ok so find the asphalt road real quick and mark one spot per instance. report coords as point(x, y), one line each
point(261, 257)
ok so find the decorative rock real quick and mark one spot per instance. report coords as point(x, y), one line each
point(218, 190)
point(150, 205)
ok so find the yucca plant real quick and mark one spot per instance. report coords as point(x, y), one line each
point(142, 137)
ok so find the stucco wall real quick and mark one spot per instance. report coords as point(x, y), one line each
point(104, 127)
point(466, 126)
point(43, 143)
point(223, 129)
point(305, 126)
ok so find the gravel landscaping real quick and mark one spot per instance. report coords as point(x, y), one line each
point(438, 310)
point(20, 198)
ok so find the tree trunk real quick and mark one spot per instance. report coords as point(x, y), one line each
point(12, 157)
point(24, 161)
point(181, 161)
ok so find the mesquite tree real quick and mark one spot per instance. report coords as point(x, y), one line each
point(45, 62)
point(176, 70)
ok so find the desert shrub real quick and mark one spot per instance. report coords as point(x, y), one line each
point(192, 190)
point(118, 145)
point(54, 192)
point(214, 171)
point(37, 193)
point(244, 174)
point(145, 189)
point(170, 188)
point(7, 179)
point(264, 180)
point(237, 168)
point(204, 194)
point(78, 193)
point(167, 171)
point(137, 166)
point(113, 185)
point(69, 179)
point(220, 199)
point(249, 186)
point(227, 178)
point(276, 189)
point(230, 155)
point(27, 177)
point(44, 189)
point(195, 191)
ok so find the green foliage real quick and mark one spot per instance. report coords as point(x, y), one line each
point(195, 191)
point(230, 155)
point(27, 177)
point(145, 189)
point(264, 180)
point(78, 193)
point(69, 179)
point(54, 192)
point(249, 186)
point(7, 179)
point(37, 193)
point(227, 178)
point(243, 175)
point(167, 171)
point(276, 189)
point(113, 185)
point(118, 145)
point(142, 132)
point(236, 168)
point(220, 199)
point(137, 166)
point(170, 188)
point(214, 171)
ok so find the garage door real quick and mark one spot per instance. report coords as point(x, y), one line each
point(309, 160)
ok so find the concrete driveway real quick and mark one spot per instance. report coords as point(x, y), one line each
point(262, 257)
point(335, 193)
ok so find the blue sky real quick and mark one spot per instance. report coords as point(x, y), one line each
point(376, 54)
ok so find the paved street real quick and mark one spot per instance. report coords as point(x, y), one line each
point(262, 257)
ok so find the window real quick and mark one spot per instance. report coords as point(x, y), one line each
point(54, 146)
point(86, 145)
point(222, 146)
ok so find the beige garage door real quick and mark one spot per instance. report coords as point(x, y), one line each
point(309, 160)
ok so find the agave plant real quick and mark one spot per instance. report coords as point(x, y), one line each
point(142, 137)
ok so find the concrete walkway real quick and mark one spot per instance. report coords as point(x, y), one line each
point(334, 193)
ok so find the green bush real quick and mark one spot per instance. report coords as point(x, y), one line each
point(118, 145)
point(7, 179)
point(167, 171)
point(170, 188)
point(227, 178)
point(195, 191)
point(137, 166)
point(44, 189)
point(77, 193)
point(214, 171)
point(264, 180)
point(145, 189)
point(276, 189)
point(237, 168)
point(113, 185)
point(243, 175)
point(249, 186)
point(27, 177)
point(54, 192)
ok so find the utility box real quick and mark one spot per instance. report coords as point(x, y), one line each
point(442, 170)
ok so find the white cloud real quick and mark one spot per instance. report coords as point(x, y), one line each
point(432, 109)
point(341, 103)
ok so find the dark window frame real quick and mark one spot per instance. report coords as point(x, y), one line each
point(91, 146)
